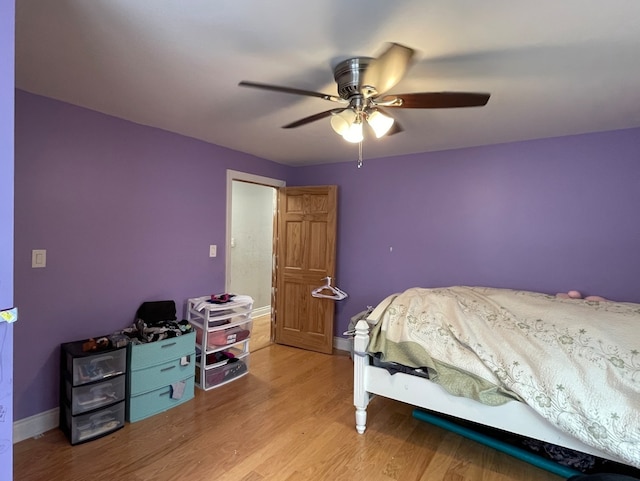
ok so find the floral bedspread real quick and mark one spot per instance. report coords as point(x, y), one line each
point(575, 362)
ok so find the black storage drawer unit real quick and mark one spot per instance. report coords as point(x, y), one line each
point(92, 391)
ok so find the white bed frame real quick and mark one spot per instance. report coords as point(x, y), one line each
point(515, 417)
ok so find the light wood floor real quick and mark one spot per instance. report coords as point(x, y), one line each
point(291, 418)
point(260, 332)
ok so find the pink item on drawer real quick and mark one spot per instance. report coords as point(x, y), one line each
point(228, 336)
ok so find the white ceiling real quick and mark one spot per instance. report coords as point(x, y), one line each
point(553, 67)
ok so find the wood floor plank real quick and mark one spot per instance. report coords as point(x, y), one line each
point(260, 332)
point(290, 418)
point(411, 458)
point(271, 458)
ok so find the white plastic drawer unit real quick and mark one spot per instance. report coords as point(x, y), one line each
point(221, 330)
point(88, 397)
point(95, 366)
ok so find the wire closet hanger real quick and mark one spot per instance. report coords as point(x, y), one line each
point(335, 293)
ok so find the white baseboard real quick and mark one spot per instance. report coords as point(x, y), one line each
point(35, 425)
point(342, 344)
point(261, 311)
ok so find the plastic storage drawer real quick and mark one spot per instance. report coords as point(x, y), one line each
point(144, 405)
point(215, 313)
point(94, 424)
point(88, 397)
point(91, 366)
point(238, 350)
point(161, 375)
point(221, 337)
point(151, 353)
point(229, 316)
point(218, 375)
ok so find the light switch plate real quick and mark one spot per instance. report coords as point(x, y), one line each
point(39, 258)
point(213, 250)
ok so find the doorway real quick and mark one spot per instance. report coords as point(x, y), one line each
point(251, 211)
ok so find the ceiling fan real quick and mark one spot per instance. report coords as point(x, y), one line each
point(362, 85)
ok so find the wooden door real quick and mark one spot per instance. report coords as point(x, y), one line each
point(306, 254)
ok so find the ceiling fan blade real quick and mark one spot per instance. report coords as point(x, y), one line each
point(289, 90)
point(384, 72)
point(313, 118)
point(435, 100)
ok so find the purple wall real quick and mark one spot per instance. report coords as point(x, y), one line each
point(126, 214)
point(549, 215)
point(7, 15)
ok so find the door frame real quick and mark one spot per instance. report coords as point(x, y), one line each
point(254, 179)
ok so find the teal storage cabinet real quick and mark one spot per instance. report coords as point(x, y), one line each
point(161, 375)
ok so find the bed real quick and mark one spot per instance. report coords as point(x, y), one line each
point(562, 371)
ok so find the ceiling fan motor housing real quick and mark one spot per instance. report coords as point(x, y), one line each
point(349, 74)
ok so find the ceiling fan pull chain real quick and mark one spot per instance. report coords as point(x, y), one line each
point(360, 154)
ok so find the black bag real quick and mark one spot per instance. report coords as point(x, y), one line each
point(156, 311)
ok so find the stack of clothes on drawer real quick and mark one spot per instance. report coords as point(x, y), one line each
point(156, 321)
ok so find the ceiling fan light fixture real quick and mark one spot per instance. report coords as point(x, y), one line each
point(342, 121)
point(348, 124)
point(379, 122)
point(354, 132)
